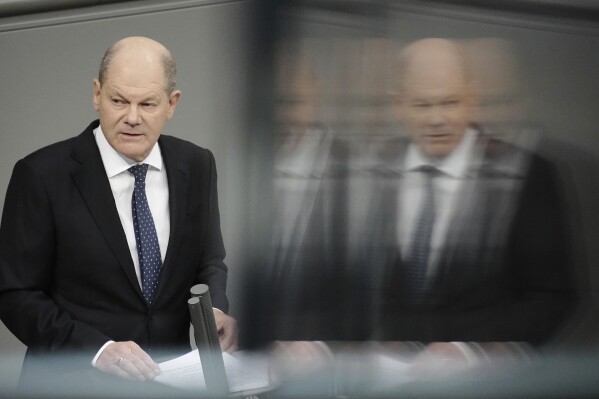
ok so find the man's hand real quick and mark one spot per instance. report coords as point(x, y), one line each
point(226, 327)
point(292, 359)
point(438, 360)
point(127, 360)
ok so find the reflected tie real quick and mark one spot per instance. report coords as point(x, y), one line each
point(419, 250)
point(150, 261)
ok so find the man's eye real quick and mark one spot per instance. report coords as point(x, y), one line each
point(117, 101)
point(450, 103)
point(148, 105)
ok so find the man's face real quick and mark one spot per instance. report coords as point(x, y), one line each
point(133, 105)
point(435, 106)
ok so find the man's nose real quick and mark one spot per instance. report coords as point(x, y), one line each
point(132, 116)
point(435, 115)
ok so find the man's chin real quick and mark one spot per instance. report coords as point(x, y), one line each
point(438, 149)
point(133, 151)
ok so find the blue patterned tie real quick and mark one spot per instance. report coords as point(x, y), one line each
point(419, 250)
point(150, 261)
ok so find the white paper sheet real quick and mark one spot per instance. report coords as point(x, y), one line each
point(244, 372)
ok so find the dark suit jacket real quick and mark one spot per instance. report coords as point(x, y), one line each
point(67, 280)
point(504, 273)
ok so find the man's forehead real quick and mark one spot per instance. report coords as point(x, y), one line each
point(135, 75)
point(116, 88)
point(433, 63)
point(430, 88)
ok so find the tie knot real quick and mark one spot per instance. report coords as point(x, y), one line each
point(139, 171)
point(429, 172)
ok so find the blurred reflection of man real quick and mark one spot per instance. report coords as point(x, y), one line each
point(308, 212)
point(461, 249)
point(468, 246)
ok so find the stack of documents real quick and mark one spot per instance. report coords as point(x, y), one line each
point(245, 373)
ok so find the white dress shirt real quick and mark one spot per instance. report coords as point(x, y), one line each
point(454, 169)
point(122, 183)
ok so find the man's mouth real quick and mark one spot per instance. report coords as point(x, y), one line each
point(439, 135)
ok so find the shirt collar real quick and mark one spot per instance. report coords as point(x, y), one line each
point(455, 164)
point(115, 163)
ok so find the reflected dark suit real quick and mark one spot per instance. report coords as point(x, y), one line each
point(504, 271)
point(67, 280)
point(303, 292)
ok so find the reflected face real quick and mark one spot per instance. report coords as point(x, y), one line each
point(435, 104)
point(296, 92)
point(296, 111)
point(133, 105)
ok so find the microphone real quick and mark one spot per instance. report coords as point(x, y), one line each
point(206, 339)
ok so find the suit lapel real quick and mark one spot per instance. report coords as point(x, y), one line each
point(94, 187)
point(480, 224)
point(177, 172)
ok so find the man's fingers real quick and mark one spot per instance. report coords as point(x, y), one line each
point(227, 331)
point(226, 339)
point(131, 368)
point(145, 360)
point(228, 343)
point(117, 370)
point(113, 368)
point(138, 368)
point(127, 360)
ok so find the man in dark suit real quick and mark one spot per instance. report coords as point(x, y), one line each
point(78, 225)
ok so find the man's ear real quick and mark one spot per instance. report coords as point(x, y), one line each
point(173, 100)
point(96, 98)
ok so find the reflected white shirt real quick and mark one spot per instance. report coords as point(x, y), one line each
point(454, 169)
